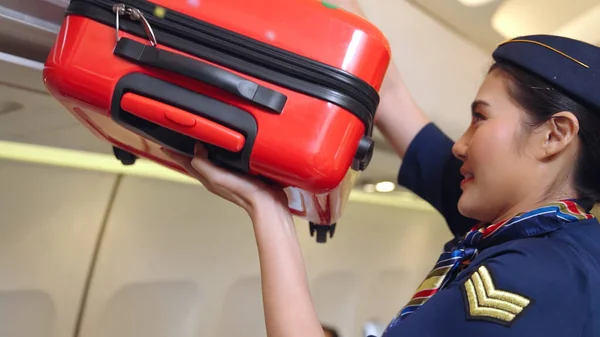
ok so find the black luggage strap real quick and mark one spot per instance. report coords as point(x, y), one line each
point(151, 56)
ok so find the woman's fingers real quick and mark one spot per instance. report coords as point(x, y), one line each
point(237, 188)
point(200, 161)
point(215, 174)
point(200, 150)
point(185, 162)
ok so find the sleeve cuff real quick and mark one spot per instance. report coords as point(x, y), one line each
point(427, 154)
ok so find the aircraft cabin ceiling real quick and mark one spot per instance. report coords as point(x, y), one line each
point(488, 22)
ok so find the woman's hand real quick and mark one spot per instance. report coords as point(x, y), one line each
point(242, 190)
point(288, 307)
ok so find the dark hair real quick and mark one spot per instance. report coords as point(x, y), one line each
point(541, 100)
point(330, 330)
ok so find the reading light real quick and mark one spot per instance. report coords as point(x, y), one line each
point(385, 186)
point(475, 3)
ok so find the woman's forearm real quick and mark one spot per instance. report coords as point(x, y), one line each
point(288, 307)
point(398, 117)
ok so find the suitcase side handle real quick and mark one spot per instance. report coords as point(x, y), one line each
point(201, 71)
point(183, 122)
point(178, 118)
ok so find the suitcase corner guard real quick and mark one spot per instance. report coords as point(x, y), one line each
point(364, 154)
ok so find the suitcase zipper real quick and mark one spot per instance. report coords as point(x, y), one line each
point(175, 20)
point(253, 57)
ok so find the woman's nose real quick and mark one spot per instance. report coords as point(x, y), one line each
point(459, 149)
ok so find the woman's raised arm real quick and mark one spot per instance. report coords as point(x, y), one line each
point(398, 117)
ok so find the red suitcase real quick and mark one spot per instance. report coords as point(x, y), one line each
point(284, 90)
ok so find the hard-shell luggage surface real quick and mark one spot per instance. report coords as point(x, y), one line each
point(283, 90)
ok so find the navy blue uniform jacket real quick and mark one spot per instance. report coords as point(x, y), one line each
point(555, 278)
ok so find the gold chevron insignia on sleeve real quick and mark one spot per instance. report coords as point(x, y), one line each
point(485, 302)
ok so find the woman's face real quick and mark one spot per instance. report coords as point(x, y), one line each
point(498, 167)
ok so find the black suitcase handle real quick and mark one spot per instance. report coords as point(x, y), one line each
point(190, 101)
point(151, 56)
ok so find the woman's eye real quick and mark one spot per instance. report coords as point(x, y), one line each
point(477, 117)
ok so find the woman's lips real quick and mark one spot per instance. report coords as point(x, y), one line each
point(468, 177)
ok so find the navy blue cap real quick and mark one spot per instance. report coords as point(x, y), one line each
point(570, 65)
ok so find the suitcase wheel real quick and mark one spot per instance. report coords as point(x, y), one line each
point(321, 231)
point(125, 157)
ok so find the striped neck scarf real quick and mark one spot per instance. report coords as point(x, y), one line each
point(458, 253)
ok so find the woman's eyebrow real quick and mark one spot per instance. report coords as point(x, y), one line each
point(478, 103)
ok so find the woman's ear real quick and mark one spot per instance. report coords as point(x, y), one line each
point(559, 132)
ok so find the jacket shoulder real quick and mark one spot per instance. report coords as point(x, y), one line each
point(520, 288)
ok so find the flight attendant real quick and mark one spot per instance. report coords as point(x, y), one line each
point(516, 190)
